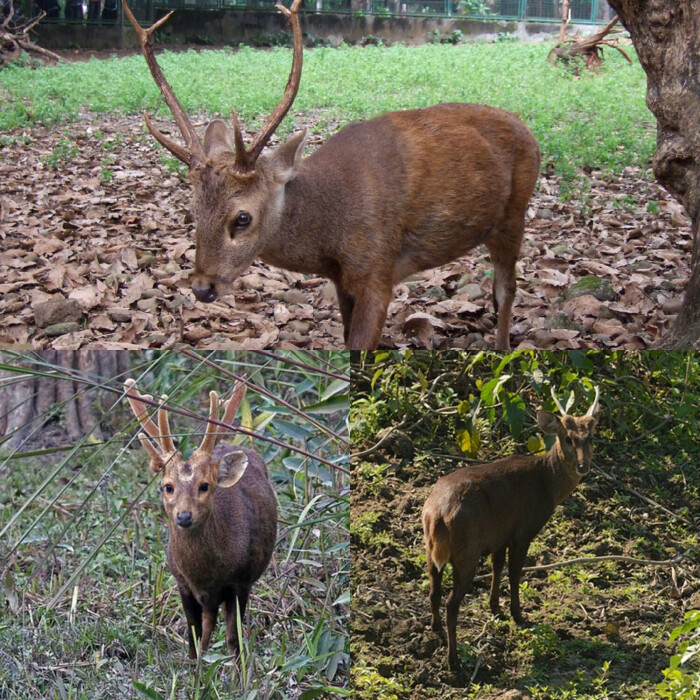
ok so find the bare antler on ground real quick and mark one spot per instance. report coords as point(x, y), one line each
point(14, 39)
point(590, 47)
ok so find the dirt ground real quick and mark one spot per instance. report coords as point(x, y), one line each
point(94, 213)
point(614, 613)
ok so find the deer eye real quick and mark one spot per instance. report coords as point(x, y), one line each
point(243, 220)
point(168, 488)
point(568, 440)
point(203, 488)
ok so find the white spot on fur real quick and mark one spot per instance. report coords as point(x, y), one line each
point(439, 564)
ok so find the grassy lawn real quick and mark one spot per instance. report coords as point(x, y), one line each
point(592, 121)
point(88, 607)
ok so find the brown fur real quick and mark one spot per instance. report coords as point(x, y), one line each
point(491, 508)
point(216, 560)
point(379, 201)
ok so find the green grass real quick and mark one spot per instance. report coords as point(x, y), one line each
point(85, 618)
point(592, 121)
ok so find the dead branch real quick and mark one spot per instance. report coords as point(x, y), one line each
point(590, 47)
point(609, 557)
point(14, 37)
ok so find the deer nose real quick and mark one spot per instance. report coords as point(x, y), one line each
point(184, 519)
point(205, 293)
point(583, 469)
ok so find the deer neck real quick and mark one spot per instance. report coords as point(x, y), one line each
point(563, 478)
point(300, 237)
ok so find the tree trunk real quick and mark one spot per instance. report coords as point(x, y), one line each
point(666, 35)
point(27, 400)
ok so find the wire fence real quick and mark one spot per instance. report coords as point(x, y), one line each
point(582, 11)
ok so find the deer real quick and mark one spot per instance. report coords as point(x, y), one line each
point(490, 508)
point(379, 201)
point(222, 518)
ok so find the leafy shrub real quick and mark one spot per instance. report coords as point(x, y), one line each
point(682, 677)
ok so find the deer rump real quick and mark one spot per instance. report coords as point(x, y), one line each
point(480, 509)
point(239, 547)
point(412, 190)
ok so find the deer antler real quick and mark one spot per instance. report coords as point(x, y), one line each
point(246, 158)
point(193, 152)
point(160, 433)
point(556, 401)
point(230, 407)
point(594, 405)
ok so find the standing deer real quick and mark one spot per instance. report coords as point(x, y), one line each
point(222, 518)
point(377, 202)
point(499, 506)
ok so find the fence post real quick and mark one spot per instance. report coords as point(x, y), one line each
point(522, 9)
point(594, 10)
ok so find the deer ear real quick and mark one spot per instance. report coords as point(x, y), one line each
point(285, 159)
point(217, 138)
point(232, 467)
point(548, 422)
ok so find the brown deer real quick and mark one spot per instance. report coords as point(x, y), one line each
point(222, 518)
point(490, 508)
point(377, 202)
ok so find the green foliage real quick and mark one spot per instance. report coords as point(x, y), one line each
point(454, 37)
point(64, 152)
point(682, 677)
point(371, 684)
point(597, 121)
point(477, 396)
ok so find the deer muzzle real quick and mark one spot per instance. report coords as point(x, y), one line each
point(204, 291)
point(184, 519)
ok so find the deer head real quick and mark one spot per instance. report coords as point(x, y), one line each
point(238, 193)
point(574, 435)
point(188, 485)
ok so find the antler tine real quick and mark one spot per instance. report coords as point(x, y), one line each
point(209, 441)
point(160, 433)
point(139, 408)
point(231, 406)
point(194, 151)
point(246, 159)
point(556, 401)
point(211, 437)
point(153, 453)
point(166, 439)
point(594, 405)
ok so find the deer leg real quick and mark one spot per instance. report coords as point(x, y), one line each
point(368, 314)
point(463, 579)
point(516, 559)
point(209, 616)
point(498, 559)
point(193, 614)
point(504, 255)
point(346, 303)
point(435, 595)
point(240, 594)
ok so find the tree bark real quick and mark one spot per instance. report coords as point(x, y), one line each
point(27, 400)
point(666, 35)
